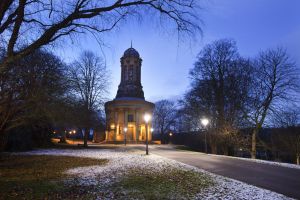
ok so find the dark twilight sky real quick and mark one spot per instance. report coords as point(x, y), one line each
point(254, 24)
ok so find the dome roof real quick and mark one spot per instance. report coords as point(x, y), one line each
point(131, 52)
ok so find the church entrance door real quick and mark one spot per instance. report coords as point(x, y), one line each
point(130, 133)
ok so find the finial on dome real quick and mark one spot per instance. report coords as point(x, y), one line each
point(131, 52)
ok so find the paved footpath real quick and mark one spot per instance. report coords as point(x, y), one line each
point(275, 178)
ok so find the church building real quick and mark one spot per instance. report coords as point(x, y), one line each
point(125, 114)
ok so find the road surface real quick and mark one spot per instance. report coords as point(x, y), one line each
point(275, 178)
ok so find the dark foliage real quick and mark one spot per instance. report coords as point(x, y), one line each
point(32, 94)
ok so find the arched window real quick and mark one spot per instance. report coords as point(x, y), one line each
point(130, 73)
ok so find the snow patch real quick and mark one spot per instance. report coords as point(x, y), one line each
point(122, 161)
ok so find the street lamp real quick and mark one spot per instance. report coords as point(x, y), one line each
point(147, 118)
point(125, 133)
point(205, 122)
point(74, 132)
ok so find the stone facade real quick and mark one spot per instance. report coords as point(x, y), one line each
point(129, 106)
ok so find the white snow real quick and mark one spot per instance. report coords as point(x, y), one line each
point(122, 161)
point(289, 165)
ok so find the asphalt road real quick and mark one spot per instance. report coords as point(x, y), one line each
point(275, 178)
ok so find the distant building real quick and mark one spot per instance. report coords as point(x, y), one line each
point(128, 108)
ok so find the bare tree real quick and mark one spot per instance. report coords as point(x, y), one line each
point(287, 136)
point(165, 114)
point(288, 116)
point(220, 84)
point(28, 25)
point(292, 142)
point(286, 141)
point(274, 80)
point(89, 79)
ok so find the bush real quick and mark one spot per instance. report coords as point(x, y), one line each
point(27, 138)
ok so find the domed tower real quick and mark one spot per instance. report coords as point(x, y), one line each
point(126, 111)
point(130, 85)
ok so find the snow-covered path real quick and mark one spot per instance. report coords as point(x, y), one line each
point(121, 161)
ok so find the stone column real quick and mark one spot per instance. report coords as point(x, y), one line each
point(116, 124)
point(125, 123)
point(137, 125)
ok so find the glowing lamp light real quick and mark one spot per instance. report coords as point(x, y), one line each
point(112, 126)
point(204, 121)
point(170, 134)
point(147, 117)
point(74, 131)
point(125, 129)
point(151, 130)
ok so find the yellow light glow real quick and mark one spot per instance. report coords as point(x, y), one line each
point(170, 134)
point(112, 126)
point(147, 117)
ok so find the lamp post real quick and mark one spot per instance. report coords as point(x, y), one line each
point(125, 133)
point(74, 132)
point(147, 118)
point(204, 122)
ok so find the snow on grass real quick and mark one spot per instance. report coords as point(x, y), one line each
point(288, 165)
point(120, 162)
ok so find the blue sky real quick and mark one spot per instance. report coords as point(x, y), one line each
point(254, 24)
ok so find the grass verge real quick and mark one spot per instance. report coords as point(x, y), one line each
point(37, 176)
point(185, 148)
point(170, 183)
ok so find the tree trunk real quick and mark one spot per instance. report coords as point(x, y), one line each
point(3, 141)
point(162, 138)
point(214, 148)
point(298, 159)
point(253, 148)
point(213, 143)
point(225, 150)
point(63, 138)
point(85, 138)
